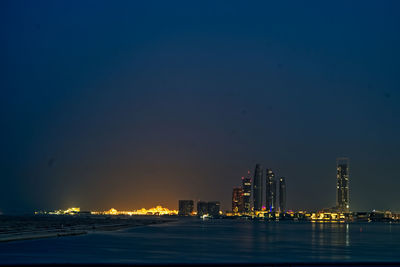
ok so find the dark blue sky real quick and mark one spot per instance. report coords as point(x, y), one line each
point(129, 104)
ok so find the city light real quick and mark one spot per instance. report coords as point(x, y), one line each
point(158, 210)
point(328, 217)
point(69, 211)
point(258, 207)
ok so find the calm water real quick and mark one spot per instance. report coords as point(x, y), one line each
point(197, 241)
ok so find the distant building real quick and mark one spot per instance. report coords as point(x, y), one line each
point(342, 175)
point(257, 187)
point(246, 185)
point(271, 191)
point(213, 208)
point(282, 194)
point(202, 208)
point(185, 207)
point(237, 200)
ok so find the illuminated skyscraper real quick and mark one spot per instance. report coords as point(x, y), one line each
point(185, 207)
point(246, 185)
point(282, 194)
point(237, 200)
point(257, 187)
point(271, 191)
point(342, 175)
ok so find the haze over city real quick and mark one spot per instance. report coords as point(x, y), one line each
point(131, 105)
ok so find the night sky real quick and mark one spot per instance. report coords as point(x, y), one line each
point(128, 104)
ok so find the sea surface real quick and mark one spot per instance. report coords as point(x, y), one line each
point(217, 241)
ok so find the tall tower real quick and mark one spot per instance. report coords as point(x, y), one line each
point(237, 200)
point(342, 175)
point(246, 185)
point(282, 194)
point(257, 187)
point(271, 191)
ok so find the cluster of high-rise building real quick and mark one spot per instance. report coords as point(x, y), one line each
point(211, 208)
point(261, 192)
point(250, 196)
point(260, 196)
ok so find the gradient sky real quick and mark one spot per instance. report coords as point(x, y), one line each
point(129, 104)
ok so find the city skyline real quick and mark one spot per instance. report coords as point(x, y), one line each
point(134, 104)
point(200, 133)
point(249, 198)
point(244, 199)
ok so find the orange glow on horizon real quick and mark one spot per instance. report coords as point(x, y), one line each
point(158, 210)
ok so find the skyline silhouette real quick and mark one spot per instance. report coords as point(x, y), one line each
point(137, 104)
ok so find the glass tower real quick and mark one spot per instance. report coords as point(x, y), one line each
point(282, 194)
point(342, 175)
point(246, 185)
point(237, 200)
point(271, 191)
point(257, 187)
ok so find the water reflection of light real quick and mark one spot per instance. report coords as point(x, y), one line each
point(330, 240)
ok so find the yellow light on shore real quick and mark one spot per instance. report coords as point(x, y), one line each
point(72, 210)
point(69, 211)
point(327, 216)
point(158, 210)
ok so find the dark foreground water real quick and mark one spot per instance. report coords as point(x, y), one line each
point(222, 241)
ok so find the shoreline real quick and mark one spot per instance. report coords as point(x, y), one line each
point(39, 236)
point(14, 236)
